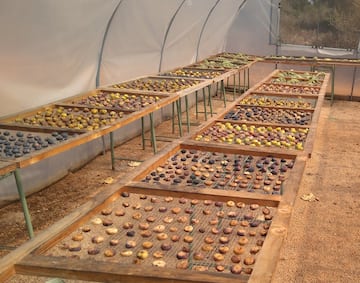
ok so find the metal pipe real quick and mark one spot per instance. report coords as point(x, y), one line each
point(23, 203)
point(167, 32)
point(203, 28)
point(103, 43)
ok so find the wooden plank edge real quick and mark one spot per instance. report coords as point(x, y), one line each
point(268, 259)
point(203, 193)
point(231, 149)
point(115, 272)
point(276, 151)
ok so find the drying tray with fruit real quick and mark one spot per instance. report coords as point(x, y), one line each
point(238, 56)
point(116, 100)
point(197, 73)
point(261, 114)
point(22, 142)
point(173, 233)
point(294, 90)
point(215, 168)
point(222, 63)
point(310, 79)
point(315, 59)
point(67, 117)
point(259, 135)
point(274, 101)
point(162, 84)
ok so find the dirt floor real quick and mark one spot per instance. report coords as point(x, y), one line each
point(323, 241)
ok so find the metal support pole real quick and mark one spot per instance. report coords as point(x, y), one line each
point(178, 109)
point(196, 105)
point(223, 92)
point(97, 80)
point(23, 203)
point(333, 84)
point(210, 100)
point(234, 92)
point(245, 81)
point(112, 151)
point(353, 84)
point(248, 78)
point(152, 130)
point(173, 117)
point(103, 144)
point(204, 98)
point(187, 114)
point(143, 132)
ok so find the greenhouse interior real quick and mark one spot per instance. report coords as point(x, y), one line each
point(179, 141)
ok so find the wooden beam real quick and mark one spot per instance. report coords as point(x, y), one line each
point(115, 272)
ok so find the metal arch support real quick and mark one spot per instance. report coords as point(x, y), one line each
point(241, 5)
point(103, 43)
point(238, 11)
point(167, 32)
point(203, 28)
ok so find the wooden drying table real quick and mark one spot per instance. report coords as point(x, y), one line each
point(320, 64)
point(83, 137)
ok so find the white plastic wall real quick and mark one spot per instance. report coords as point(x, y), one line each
point(49, 50)
point(52, 50)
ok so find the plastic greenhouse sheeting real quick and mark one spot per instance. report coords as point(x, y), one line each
point(52, 49)
point(48, 50)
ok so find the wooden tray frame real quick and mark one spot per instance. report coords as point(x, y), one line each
point(225, 73)
point(311, 61)
point(227, 149)
point(6, 167)
point(35, 264)
point(276, 95)
point(221, 117)
point(202, 83)
point(72, 100)
point(269, 150)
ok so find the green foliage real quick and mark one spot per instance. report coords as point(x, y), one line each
point(323, 23)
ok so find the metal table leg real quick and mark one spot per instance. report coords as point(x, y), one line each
point(143, 132)
point(178, 108)
point(173, 117)
point(112, 151)
point(210, 101)
point(196, 105)
point(204, 98)
point(223, 92)
point(152, 130)
point(187, 114)
point(248, 78)
point(353, 84)
point(23, 203)
point(333, 84)
point(234, 91)
point(103, 144)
